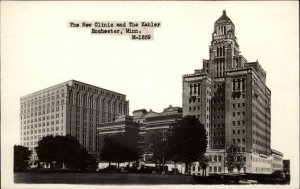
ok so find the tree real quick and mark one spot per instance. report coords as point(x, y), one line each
point(107, 152)
point(63, 150)
point(120, 148)
point(234, 158)
point(21, 157)
point(240, 161)
point(187, 141)
point(47, 149)
point(156, 144)
point(203, 162)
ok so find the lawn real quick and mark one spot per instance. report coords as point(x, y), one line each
point(101, 178)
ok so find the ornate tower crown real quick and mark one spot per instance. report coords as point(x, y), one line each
point(224, 28)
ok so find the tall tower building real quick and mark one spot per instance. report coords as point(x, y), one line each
point(230, 96)
point(70, 108)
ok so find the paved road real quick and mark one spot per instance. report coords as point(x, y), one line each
point(101, 178)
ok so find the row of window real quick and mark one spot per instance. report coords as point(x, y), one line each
point(218, 117)
point(242, 96)
point(40, 99)
point(238, 114)
point(219, 134)
point(194, 108)
point(238, 123)
point(218, 142)
point(39, 137)
point(194, 100)
point(218, 101)
point(41, 112)
point(238, 140)
point(56, 128)
point(210, 169)
point(218, 126)
point(218, 109)
point(238, 131)
point(238, 105)
point(96, 103)
point(42, 118)
point(219, 92)
point(238, 84)
point(39, 107)
point(98, 91)
point(44, 123)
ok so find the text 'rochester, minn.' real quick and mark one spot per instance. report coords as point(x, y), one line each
point(135, 30)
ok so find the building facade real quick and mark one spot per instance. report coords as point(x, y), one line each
point(70, 108)
point(150, 125)
point(230, 96)
point(277, 160)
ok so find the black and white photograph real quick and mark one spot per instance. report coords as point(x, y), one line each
point(109, 94)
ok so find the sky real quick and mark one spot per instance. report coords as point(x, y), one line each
point(39, 50)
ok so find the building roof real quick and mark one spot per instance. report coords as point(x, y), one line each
point(68, 83)
point(276, 152)
point(224, 18)
point(140, 110)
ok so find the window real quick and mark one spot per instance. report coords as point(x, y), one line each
point(233, 131)
point(233, 114)
point(238, 105)
point(233, 123)
point(215, 158)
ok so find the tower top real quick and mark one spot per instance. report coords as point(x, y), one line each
point(224, 19)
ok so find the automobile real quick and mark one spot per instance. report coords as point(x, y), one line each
point(244, 181)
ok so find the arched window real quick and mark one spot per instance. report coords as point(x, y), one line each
point(125, 109)
point(120, 108)
point(78, 99)
point(239, 84)
point(115, 107)
point(220, 158)
point(215, 158)
point(91, 102)
point(233, 86)
point(224, 30)
point(195, 88)
point(97, 103)
point(243, 81)
point(103, 105)
point(84, 99)
point(71, 97)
